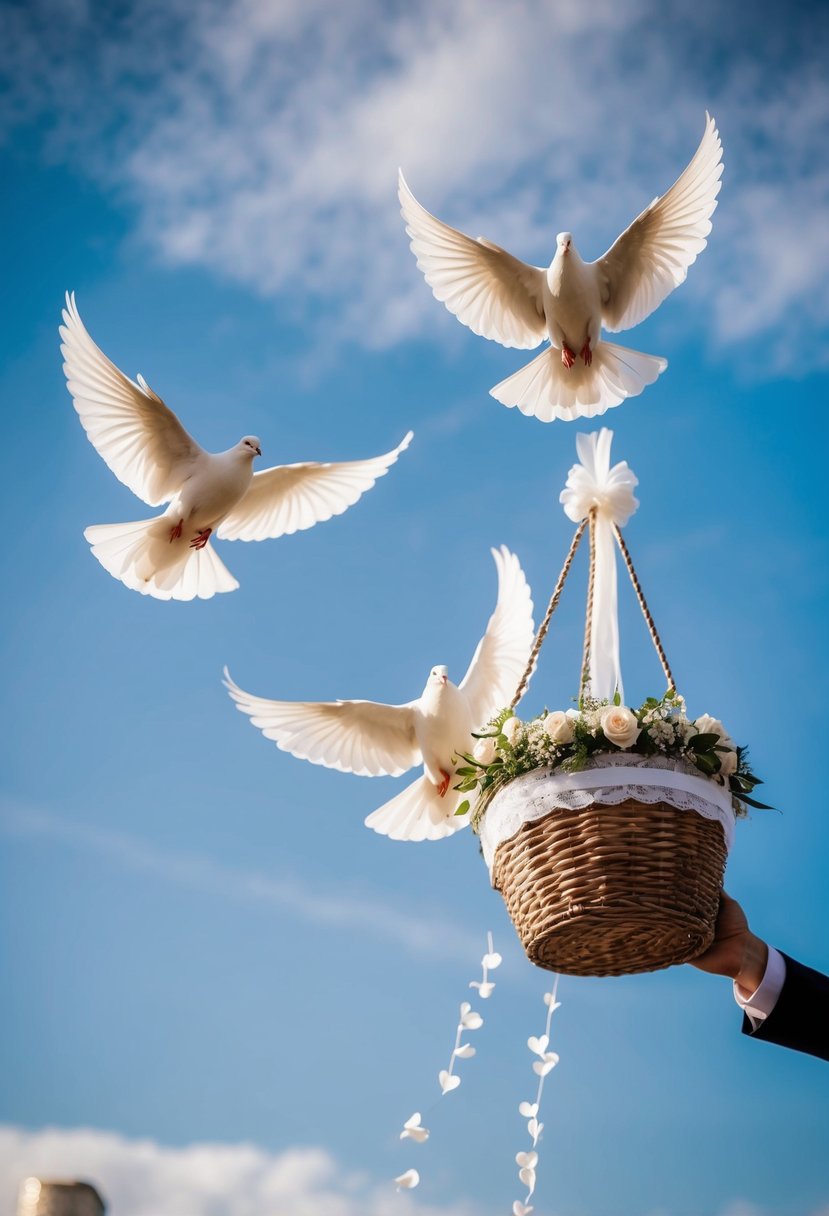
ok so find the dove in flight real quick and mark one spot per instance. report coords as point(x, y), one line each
point(502, 298)
point(373, 739)
point(170, 556)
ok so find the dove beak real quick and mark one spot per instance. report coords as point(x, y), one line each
point(443, 679)
point(258, 451)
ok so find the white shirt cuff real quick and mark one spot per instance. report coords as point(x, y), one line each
point(759, 1004)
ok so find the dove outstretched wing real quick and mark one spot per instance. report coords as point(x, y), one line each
point(503, 651)
point(363, 737)
point(133, 431)
point(495, 294)
point(291, 497)
point(652, 256)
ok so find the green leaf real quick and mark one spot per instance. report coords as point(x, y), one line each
point(761, 806)
point(617, 697)
point(704, 743)
point(708, 762)
point(463, 808)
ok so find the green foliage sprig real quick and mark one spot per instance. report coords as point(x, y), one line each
point(567, 740)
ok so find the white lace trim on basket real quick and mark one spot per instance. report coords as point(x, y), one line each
point(645, 778)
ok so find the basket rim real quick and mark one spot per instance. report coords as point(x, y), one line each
point(672, 782)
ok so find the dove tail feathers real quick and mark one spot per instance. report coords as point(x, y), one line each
point(141, 555)
point(419, 813)
point(546, 389)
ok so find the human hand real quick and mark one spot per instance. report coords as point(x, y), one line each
point(735, 950)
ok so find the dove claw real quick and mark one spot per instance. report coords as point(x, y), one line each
point(568, 358)
point(444, 785)
point(201, 538)
point(175, 532)
point(586, 353)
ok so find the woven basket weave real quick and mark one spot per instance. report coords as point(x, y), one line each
point(613, 890)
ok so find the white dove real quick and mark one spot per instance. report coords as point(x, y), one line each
point(510, 302)
point(147, 448)
point(372, 739)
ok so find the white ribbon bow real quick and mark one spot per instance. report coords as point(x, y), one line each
point(594, 484)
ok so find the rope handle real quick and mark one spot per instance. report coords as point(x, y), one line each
point(590, 521)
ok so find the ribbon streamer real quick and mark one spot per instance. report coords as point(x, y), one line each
point(594, 486)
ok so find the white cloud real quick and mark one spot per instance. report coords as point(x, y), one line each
point(143, 1178)
point(418, 932)
point(261, 141)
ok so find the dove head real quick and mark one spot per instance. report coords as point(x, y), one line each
point(438, 677)
point(249, 446)
point(564, 242)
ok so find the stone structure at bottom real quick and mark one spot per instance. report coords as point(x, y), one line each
point(40, 1197)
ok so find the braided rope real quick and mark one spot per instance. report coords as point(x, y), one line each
point(551, 607)
point(640, 595)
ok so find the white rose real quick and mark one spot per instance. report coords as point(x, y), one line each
point(728, 763)
point(620, 726)
point(706, 725)
point(510, 729)
point(559, 727)
point(484, 750)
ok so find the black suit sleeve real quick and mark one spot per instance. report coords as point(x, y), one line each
point(800, 1019)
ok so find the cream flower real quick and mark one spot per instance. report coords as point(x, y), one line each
point(728, 763)
point(484, 750)
point(620, 726)
point(511, 729)
point(706, 725)
point(559, 727)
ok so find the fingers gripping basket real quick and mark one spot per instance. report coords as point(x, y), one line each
point(610, 855)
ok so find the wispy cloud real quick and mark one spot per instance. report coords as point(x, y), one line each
point(261, 141)
point(417, 932)
point(144, 1178)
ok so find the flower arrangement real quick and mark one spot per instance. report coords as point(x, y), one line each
point(567, 740)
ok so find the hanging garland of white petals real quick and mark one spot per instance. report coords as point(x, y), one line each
point(527, 1160)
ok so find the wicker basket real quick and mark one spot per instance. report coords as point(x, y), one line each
point(613, 890)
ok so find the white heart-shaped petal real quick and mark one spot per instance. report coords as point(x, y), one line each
point(413, 1130)
point(491, 960)
point(485, 988)
point(538, 1045)
point(465, 1052)
point(550, 1003)
point(528, 1109)
point(471, 1020)
point(535, 1129)
point(408, 1180)
point(520, 1209)
point(542, 1067)
point(465, 1007)
point(551, 1057)
point(448, 1081)
point(528, 1160)
point(527, 1176)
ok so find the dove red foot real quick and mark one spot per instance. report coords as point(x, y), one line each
point(372, 739)
point(149, 450)
point(199, 541)
point(520, 305)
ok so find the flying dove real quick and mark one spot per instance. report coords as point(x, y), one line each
point(372, 739)
point(508, 301)
point(170, 556)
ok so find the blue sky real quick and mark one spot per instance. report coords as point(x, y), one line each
point(203, 945)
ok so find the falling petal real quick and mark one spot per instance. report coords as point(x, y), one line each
point(465, 1052)
point(405, 1182)
point(527, 1176)
point(538, 1045)
point(527, 1160)
point(413, 1130)
point(448, 1081)
point(471, 1020)
point(465, 1007)
point(551, 1003)
point(520, 1209)
point(485, 988)
point(491, 961)
point(528, 1109)
point(535, 1129)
